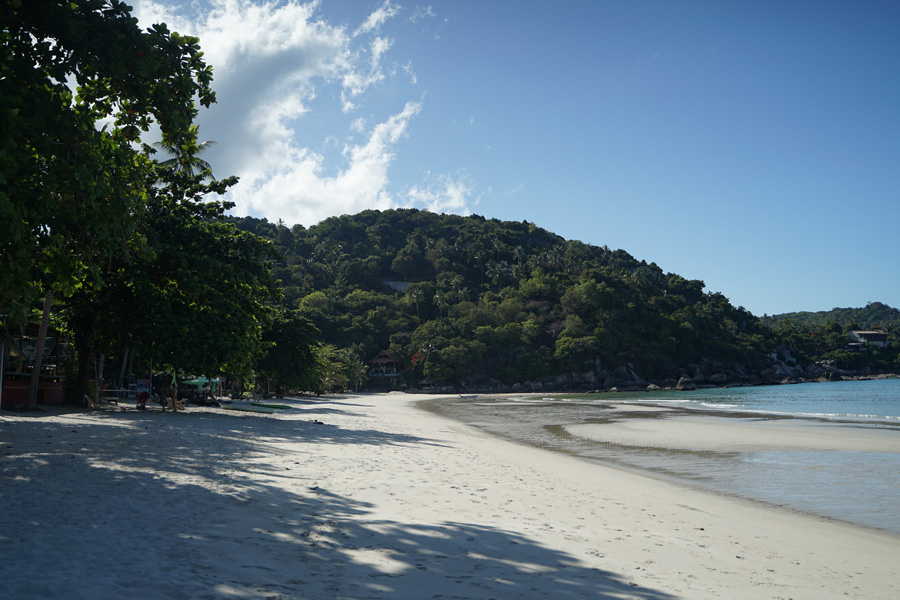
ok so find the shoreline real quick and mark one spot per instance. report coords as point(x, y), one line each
point(367, 496)
point(837, 469)
point(646, 387)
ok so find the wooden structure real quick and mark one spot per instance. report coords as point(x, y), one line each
point(384, 365)
point(17, 354)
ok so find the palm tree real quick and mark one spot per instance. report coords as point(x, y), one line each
point(184, 153)
point(440, 300)
point(416, 295)
point(358, 372)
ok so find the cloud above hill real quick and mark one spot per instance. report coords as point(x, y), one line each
point(301, 116)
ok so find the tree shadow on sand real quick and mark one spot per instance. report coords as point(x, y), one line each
point(133, 505)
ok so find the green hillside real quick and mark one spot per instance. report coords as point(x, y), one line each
point(875, 314)
point(472, 301)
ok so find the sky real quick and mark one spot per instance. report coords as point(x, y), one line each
point(751, 145)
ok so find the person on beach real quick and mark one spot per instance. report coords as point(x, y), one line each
point(142, 401)
point(173, 398)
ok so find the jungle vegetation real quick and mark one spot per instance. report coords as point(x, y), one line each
point(469, 300)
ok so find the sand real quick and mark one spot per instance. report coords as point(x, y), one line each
point(726, 433)
point(352, 497)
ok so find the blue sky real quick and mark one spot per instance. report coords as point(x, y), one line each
point(753, 145)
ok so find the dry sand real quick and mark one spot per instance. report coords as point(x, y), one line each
point(382, 500)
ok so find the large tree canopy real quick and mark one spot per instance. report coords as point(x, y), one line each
point(69, 190)
point(142, 258)
point(195, 300)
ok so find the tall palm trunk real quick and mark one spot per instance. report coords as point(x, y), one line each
point(31, 402)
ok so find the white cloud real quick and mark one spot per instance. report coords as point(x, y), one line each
point(408, 69)
point(421, 12)
point(356, 82)
point(446, 195)
point(514, 191)
point(279, 67)
point(358, 125)
point(296, 189)
point(378, 18)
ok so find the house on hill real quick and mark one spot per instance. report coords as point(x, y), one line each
point(859, 338)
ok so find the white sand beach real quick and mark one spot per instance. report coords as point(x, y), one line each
point(365, 497)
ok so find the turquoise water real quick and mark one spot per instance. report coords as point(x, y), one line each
point(875, 400)
point(858, 487)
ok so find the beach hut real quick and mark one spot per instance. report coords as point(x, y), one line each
point(384, 365)
point(17, 359)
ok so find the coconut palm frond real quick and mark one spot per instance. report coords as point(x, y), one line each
point(183, 163)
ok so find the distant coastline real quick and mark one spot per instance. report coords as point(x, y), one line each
point(559, 385)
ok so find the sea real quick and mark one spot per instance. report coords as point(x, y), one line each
point(862, 488)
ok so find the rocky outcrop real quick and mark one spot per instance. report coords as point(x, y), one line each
point(706, 374)
point(779, 372)
point(624, 378)
point(718, 379)
point(686, 384)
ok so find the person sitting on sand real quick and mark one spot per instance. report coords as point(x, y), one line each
point(142, 401)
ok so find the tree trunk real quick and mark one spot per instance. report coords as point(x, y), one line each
point(2, 361)
point(130, 369)
point(84, 371)
point(99, 389)
point(31, 402)
point(122, 371)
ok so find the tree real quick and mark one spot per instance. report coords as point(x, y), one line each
point(291, 358)
point(334, 369)
point(68, 176)
point(415, 296)
point(205, 294)
point(77, 187)
point(357, 370)
point(196, 299)
point(183, 153)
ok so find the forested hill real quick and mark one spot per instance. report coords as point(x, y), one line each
point(478, 302)
point(875, 314)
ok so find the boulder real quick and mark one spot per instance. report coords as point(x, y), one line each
point(697, 375)
point(718, 379)
point(629, 377)
point(814, 370)
point(782, 373)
